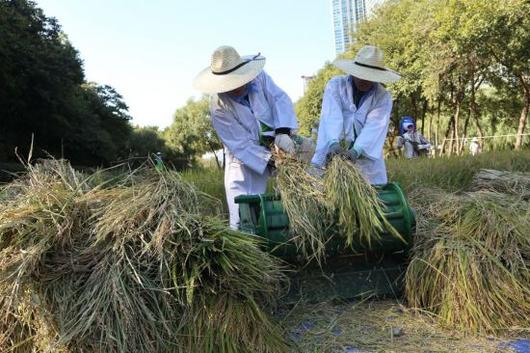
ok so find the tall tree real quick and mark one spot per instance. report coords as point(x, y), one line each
point(192, 133)
point(501, 31)
point(43, 93)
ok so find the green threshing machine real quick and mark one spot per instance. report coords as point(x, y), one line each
point(347, 272)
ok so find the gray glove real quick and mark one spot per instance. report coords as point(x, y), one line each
point(334, 150)
point(285, 143)
point(351, 154)
point(315, 171)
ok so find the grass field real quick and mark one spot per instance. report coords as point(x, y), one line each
point(448, 173)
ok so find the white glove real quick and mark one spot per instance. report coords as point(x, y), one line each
point(285, 143)
point(424, 146)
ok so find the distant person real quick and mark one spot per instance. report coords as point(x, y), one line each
point(475, 147)
point(356, 113)
point(414, 143)
point(250, 114)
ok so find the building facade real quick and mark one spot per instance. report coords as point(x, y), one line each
point(346, 15)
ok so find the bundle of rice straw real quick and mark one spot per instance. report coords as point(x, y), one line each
point(142, 266)
point(470, 264)
point(340, 204)
point(360, 212)
point(39, 215)
point(502, 181)
point(304, 200)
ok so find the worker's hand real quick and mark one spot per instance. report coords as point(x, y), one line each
point(425, 146)
point(334, 150)
point(351, 155)
point(271, 166)
point(285, 143)
point(315, 171)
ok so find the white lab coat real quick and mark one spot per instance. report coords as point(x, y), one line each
point(339, 117)
point(474, 148)
point(238, 128)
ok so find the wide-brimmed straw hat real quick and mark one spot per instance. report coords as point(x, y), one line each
point(368, 65)
point(228, 71)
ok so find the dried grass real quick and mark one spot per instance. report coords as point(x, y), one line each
point(470, 263)
point(340, 204)
point(138, 265)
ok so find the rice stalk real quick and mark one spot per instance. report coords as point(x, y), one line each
point(342, 204)
point(124, 267)
point(304, 200)
point(216, 326)
point(471, 268)
point(359, 212)
point(39, 216)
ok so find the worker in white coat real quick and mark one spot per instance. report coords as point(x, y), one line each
point(250, 113)
point(474, 147)
point(356, 113)
point(414, 143)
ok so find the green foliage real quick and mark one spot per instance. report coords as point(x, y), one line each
point(145, 141)
point(43, 93)
point(465, 67)
point(192, 133)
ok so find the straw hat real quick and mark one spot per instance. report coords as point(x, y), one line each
point(228, 71)
point(368, 65)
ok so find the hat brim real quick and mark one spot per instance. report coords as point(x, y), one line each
point(365, 73)
point(208, 82)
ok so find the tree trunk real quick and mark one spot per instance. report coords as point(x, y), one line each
point(216, 159)
point(447, 132)
point(430, 127)
point(212, 149)
point(455, 125)
point(423, 112)
point(437, 124)
point(452, 138)
point(524, 113)
point(474, 112)
point(464, 133)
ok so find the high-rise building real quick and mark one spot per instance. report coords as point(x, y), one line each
point(346, 15)
point(306, 80)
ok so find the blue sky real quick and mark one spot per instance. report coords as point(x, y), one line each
point(150, 51)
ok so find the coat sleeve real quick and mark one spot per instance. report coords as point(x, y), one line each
point(422, 139)
point(238, 141)
point(331, 122)
point(371, 139)
point(281, 104)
